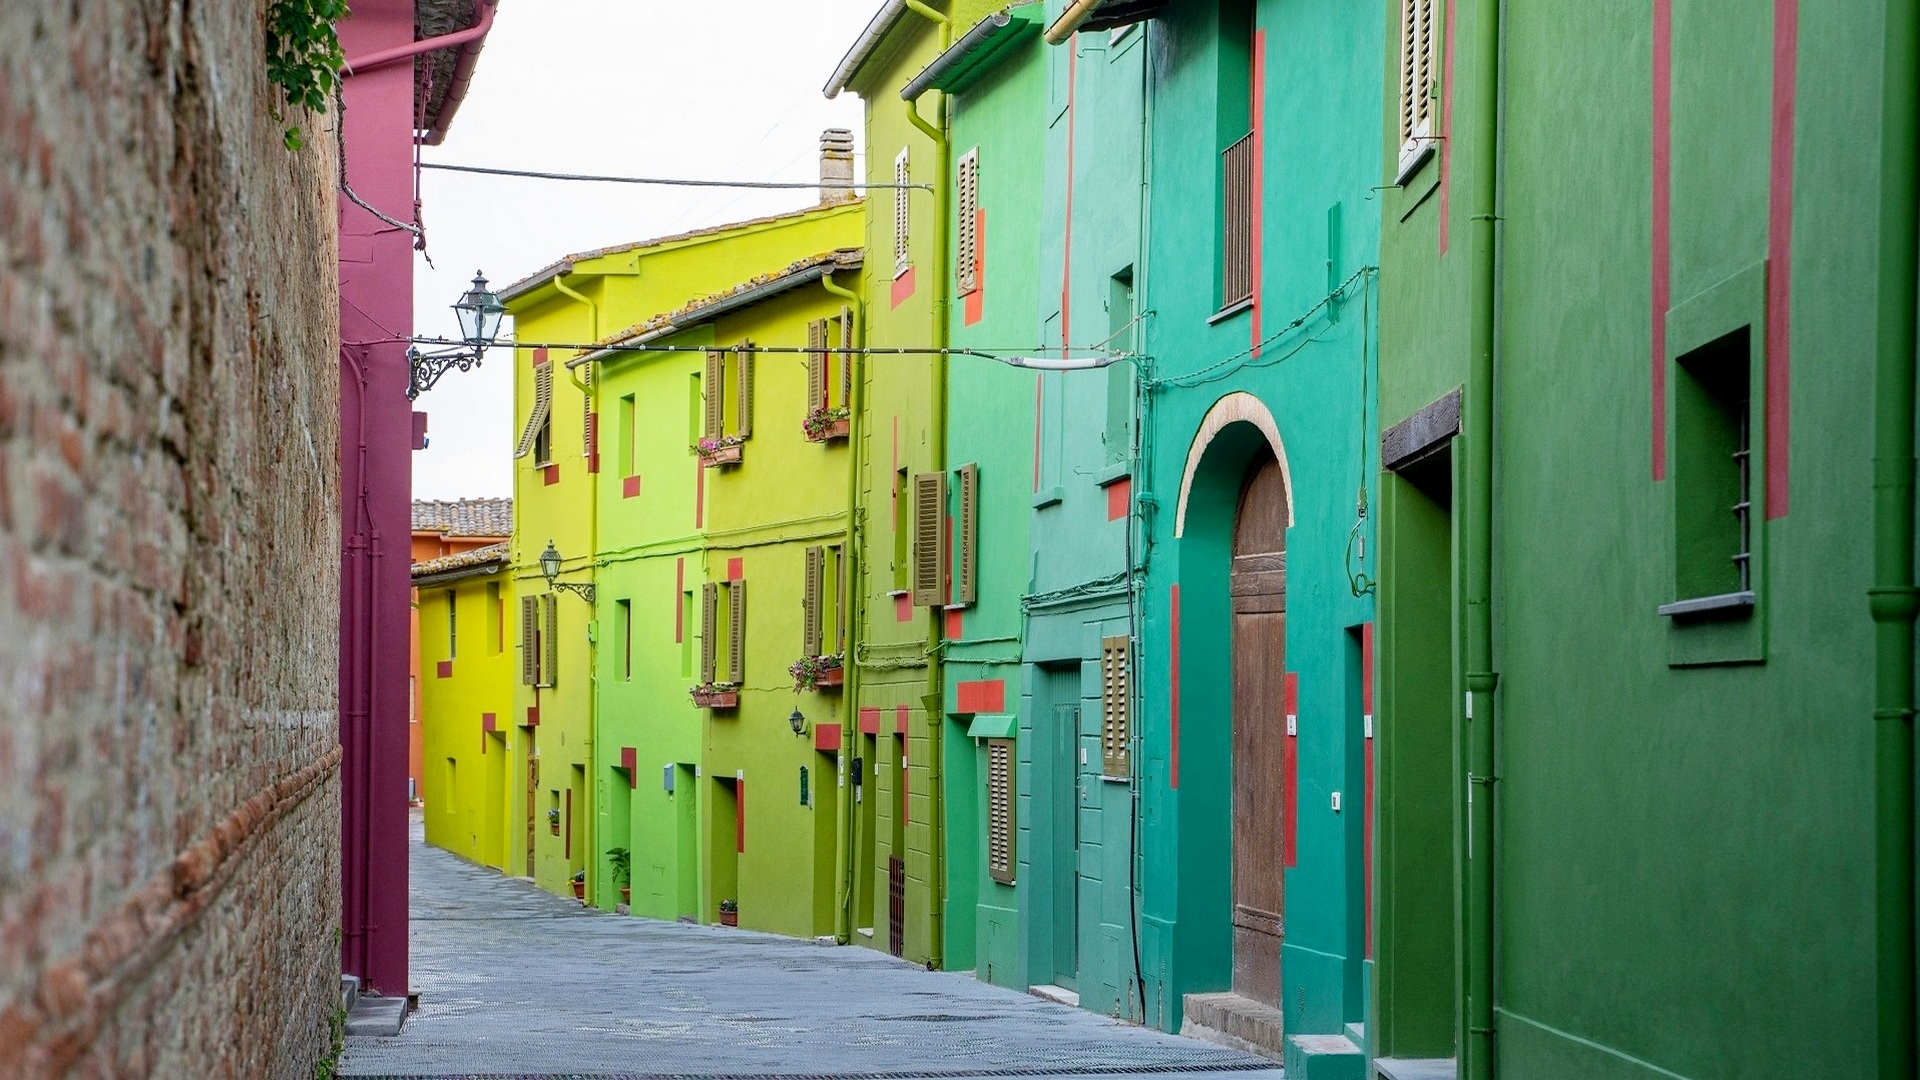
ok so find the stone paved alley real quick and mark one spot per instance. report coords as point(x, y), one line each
point(516, 982)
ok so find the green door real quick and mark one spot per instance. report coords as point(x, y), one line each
point(1064, 859)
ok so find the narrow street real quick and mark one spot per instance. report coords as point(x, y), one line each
point(516, 982)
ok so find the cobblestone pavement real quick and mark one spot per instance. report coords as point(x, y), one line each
point(515, 982)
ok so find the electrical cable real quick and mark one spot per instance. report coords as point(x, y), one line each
point(662, 181)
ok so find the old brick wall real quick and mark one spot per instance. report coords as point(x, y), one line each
point(169, 764)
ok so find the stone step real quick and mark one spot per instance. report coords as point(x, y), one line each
point(379, 1016)
point(1050, 992)
point(1416, 1068)
point(1237, 1022)
point(1357, 1034)
point(1324, 1057)
point(349, 992)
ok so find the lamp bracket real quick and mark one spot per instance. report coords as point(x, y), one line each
point(583, 591)
point(425, 369)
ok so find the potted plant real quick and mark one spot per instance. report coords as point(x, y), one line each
point(814, 672)
point(621, 859)
point(823, 424)
point(719, 449)
point(553, 821)
point(715, 695)
point(729, 913)
point(580, 885)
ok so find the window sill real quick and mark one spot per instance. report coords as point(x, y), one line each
point(1230, 311)
point(1726, 605)
point(1114, 473)
point(1410, 168)
point(1047, 497)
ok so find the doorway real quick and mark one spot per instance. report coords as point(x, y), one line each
point(1258, 589)
point(1056, 860)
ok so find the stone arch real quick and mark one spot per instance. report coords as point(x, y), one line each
point(1238, 407)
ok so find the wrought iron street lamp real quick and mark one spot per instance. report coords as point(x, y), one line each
point(479, 313)
point(550, 569)
point(798, 721)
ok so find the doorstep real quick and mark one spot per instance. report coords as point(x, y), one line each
point(1416, 1068)
point(379, 1016)
point(1236, 1022)
point(1050, 992)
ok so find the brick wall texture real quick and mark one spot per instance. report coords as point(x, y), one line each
point(169, 763)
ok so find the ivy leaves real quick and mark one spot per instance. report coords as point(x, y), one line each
point(303, 55)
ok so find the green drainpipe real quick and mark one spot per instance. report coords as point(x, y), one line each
point(1893, 599)
point(852, 595)
point(1483, 92)
point(592, 840)
point(936, 688)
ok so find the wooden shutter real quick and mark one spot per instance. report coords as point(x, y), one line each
point(966, 536)
point(810, 602)
point(737, 632)
point(709, 618)
point(1000, 826)
point(846, 356)
point(1237, 240)
point(743, 368)
point(817, 364)
point(529, 641)
point(901, 174)
point(967, 251)
point(1416, 84)
point(929, 547)
point(550, 640)
point(711, 391)
point(1116, 716)
point(542, 404)
point(589, 423)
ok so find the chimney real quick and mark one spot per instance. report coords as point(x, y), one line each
point(836, 167)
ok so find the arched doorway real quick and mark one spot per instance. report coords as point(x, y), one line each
point(1258, 593)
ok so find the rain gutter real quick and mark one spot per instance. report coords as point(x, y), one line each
point(864, 47)
point(982, 32)
point(1069, 21)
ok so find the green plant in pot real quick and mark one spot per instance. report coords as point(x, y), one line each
point(580, 885)
point(729, 913)
point(621, 860)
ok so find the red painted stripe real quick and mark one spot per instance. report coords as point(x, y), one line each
point(903, 608)
point(956, 627)
point(980, 696)
point(1290, 773)
point(1446, 127)
point(740, 815)
point(1173, 689)
point(1662, 218)
point(539, 357)
point(1259, 113)
point(976, 300)
point(679, 605)
point(1786, 54)
point(444, 669)
point(902, 287)
point(900, 720)
point(736, 568)
point(551, 474)
point(533, 716)
point(1066, 248)
point(826, 737)
point(489, 721)
point(870, 721)
point(630, 487)
point(1119, 498)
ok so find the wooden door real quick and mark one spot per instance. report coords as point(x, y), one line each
point(533, 798)
point(1259, 598)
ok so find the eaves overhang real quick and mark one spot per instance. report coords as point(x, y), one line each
point(988, 42)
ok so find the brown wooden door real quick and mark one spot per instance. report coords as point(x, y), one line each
point(1259, 593)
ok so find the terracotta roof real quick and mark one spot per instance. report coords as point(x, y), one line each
point(697, 311)
point(491, 555)
point(565, 265)
point(464, 517)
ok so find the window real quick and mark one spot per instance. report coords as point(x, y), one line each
point(1116, 715)
point(1000, 806)
point(696, 408)
point(929, 538)
point(537, 437)
point(709, 618)
point(689, 631)
point(1713, 477)
point(902, 534)
point(834, 593)
point(724, 413)
point(967, 249)
point(628, 436)
point(623, 613)
point(1120, 337)
point(902, 175)
point(734, 630)
point(1416, 86)
point(550, 640)
point(737, 632)
point(1234, 132)
point(453, 626)
point(810, 601)
point(496, 618)
point(829, 383)
point(966, 534)
point(539, 640)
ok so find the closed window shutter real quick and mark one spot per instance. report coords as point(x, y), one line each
point(589, 423)
point(744, 369)
point(810, 602)
point(1416, 83)
point(1000, 825)
point(711, 391)
point(1116, 718)
point(737, 632)
point(817, 364)
point(929, 547)
point(967, 536)
point(846, 356)
point(709, 619)
point(542, 405)
point(529, 641)
point(901, 175)
point(550, 640)
point(967, 254)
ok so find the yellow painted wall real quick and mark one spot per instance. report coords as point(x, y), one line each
point(464, 766)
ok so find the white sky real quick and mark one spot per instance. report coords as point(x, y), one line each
point(715, 89)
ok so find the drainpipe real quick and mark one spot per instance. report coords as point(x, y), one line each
point(936, 687)
point(854, 597)
point(593, 615)
point(482, 22)
point(1893, 600)
point(1477, 731)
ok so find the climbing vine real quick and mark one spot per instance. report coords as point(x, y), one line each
point(303, 56)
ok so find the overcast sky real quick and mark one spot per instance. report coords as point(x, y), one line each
point(727, 89)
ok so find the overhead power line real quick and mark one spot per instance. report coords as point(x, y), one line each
point(530, 174)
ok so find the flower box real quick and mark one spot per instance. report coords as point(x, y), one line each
point(832, 429)
point(832, 677)
point(720, 455)
point(715, 697)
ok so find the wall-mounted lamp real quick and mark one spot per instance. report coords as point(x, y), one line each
point(798, 720)
point(550, 569)
point(479, 313)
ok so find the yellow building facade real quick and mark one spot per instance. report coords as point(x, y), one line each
point(467, 662)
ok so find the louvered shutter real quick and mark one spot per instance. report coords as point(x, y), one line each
point(1000, 825)
point(589, 423)
point(744, 369)
point(1116, 717)
point(1416, 83)
point(709, 618)
point(550, 640)
point(967, 250)
point(529, 641)
point(542, 405)
point(817, 364)
point(737, 632)
point(810, 602)
point(966, 535)
point(929, 547)
point(846, 356)
point(711, 391)
point(901, 175)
